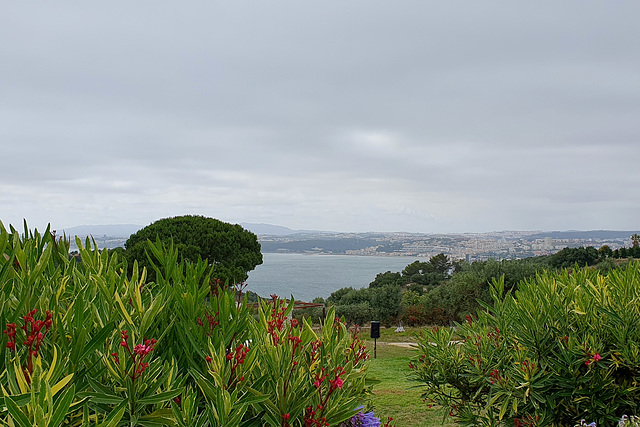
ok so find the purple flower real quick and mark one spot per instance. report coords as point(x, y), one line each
point(362, 419)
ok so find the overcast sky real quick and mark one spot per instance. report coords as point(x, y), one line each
point(422, 116)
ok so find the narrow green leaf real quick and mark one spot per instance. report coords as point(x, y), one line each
point(159, 418)
point(20, 400)
point(253, 398)
point(123, 310)
point(97, 340)
point(56, 388)
point(16, 413)
point(42, 262)
point(254, 422)
point(114, 417)
point(161, 397)
point(61, 407)
point(149, 315)
point(108, 399)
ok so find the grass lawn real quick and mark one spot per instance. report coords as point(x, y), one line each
point(389, 334)
point(395, 396)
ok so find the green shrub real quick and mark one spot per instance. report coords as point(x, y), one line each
point(356, 313)
point(568, 257)
point(385, 303)
point(562, 348)
point(87, 343)
point(310, 379)
point(412, 313)
point(415, 287)
point(231, 250)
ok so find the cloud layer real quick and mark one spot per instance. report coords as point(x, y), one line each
point(366, 115)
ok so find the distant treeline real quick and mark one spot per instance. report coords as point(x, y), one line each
point(442, 291)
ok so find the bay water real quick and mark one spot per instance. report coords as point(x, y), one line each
point(307, 276)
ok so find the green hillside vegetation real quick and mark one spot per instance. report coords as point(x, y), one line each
point(443, 291)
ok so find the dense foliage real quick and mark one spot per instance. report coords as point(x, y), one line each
point(429, 273)
point(362, 306)
point(442, 291)
point(561, 348)
point(231, 250)
point(88, 344)
point(464, 291)
point(436, 292)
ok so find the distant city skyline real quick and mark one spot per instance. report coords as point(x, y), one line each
point(498, 245)
point(263, 229)
point(406, 116)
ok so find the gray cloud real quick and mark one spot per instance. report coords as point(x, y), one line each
point(366, 115)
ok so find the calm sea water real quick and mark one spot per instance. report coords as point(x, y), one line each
point(309, 276)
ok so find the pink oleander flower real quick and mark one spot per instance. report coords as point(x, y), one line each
point(338, 383)
point(140, 349)
point(144, 349)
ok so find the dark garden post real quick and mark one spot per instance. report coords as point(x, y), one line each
point(375, 334)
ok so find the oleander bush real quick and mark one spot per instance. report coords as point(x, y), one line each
point(563, 347)
point(92, 342)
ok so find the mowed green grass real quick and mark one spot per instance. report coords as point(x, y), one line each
point(390, 334)
point(395, 396)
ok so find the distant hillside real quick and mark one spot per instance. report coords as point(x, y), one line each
point(585, 235)
point(268, 229)
point(111, 230)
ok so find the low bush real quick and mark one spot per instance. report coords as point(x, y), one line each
point(562, 348)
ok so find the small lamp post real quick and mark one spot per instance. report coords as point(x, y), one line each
point(375, 334)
